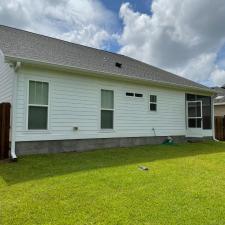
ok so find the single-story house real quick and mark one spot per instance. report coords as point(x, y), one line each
point(219, 101)
point(69, 97)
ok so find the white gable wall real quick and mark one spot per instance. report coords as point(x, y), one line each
point(6, 81)
point(75, 102)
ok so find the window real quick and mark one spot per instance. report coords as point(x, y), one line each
point(38, 105)
point(153, 103)
point(129, 94)
point(194, 114)
point(107, 109)
point(206, 110)
point(138, 95)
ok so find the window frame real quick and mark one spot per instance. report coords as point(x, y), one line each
point(106, 109)
point(38, 105)
point(196, 117)
point(154, 103)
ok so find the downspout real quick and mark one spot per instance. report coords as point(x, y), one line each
point(17, 66)
point(213, 119)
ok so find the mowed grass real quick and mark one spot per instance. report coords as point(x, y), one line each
point(185, 184)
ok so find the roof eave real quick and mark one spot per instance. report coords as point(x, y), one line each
point(219, 103)
point(101, 73)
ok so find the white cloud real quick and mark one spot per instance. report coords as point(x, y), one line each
point(83, 21)
point(218, 77)
point(181, 36)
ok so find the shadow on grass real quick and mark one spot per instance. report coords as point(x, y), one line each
point(42, 166)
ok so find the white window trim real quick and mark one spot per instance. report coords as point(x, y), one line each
point(37, 105)
point(106, 109)
point(192, 117)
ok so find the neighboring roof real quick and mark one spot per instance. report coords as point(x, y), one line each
point(20, 44)
point(220, 97)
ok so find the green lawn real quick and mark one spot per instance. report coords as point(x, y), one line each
point(185, 185)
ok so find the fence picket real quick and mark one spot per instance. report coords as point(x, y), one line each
point(220, 128)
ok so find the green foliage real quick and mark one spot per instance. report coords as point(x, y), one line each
point(184, 185)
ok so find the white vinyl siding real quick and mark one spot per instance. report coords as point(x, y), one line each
point(6, 81)
point(75, 101)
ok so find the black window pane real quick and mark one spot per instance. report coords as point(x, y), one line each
point(194, 109)
point(198, 109)
point(129, 94)
point(153, 107)
point(198, 123)
point(153, 98)
point(192, 123)
point(138, 95)
point(106, 119)
point(191, 109)
point(37, 118)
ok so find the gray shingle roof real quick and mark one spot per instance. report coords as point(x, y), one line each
point(26, 45)
point(220, 100)
point(220, 96)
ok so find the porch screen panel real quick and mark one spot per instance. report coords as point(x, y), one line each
point(206, 109)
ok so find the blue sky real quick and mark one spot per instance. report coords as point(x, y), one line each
point(184, 37)
point(142, 6)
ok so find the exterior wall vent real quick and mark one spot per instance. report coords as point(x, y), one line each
point(119, 65)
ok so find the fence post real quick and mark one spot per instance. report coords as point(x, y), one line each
point(223, 127)
point(1, 135)
point(4, 130)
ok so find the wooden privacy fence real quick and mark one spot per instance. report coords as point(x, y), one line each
point(220, 128)
point(4, 130)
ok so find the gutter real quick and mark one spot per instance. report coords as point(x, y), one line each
point(16, 68)
point(102, 73)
